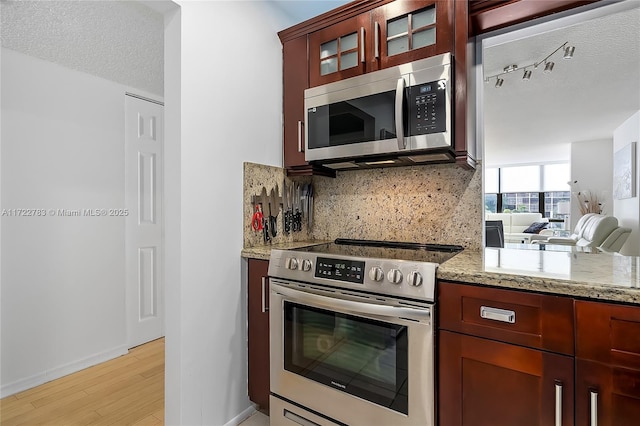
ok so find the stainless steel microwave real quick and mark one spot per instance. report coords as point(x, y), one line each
point(395, 116)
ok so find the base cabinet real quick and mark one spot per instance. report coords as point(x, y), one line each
point(608, 364)
point(508, 358)
point(258, 332)
point(490, 383)
point(606, 395)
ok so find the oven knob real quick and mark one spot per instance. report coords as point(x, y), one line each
point(376, 273)
point(415, 279)
point(395, 276)
point(306, 265)
point(291, 263)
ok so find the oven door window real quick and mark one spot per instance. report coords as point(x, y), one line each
point(360, 356)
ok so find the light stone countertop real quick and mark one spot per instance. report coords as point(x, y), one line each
point(601, 276)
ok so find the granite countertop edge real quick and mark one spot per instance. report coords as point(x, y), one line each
point(465, 269)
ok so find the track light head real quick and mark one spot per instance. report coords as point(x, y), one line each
point(548, 67)
point(527, 75)
point(568, 52)
point(499, 82)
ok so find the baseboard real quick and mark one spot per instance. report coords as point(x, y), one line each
point(56, 373)
point(248, 412)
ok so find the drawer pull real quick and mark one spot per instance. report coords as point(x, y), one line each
point(558, 403)
point(298, 419)
point(497, 314)
point(264, 285)
point(594, 408)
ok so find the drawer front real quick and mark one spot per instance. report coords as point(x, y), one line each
point(608, 333)
point(527, 319)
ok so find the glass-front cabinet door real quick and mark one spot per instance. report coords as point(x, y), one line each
point(406, 31)
point(338, 51)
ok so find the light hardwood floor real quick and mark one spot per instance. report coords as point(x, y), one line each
point(128, 390)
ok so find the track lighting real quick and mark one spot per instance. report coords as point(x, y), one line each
point(548, 67)
point(568, 52)
point(526, 76)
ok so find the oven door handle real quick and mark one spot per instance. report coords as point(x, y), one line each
point(353, 306)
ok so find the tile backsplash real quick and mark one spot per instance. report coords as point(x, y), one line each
point(431, 204)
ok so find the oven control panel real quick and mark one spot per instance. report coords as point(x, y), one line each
point(340, 269)
point(384, 276)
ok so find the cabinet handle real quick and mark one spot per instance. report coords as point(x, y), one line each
point(399, 112)
point(298, 419)
point(265, 308)
point(497, 314)
point(594, 408)
point(376, 34)
point(558, 403)
point(300, 147)
point(362, 44)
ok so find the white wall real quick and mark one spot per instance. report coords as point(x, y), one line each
point(628, 210)
point(63, 300)
point(223, 107)
point(591, 166)
point(496, 157)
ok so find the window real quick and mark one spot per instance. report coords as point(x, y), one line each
point(491, 203)
point(521, 202)
point(534, 188)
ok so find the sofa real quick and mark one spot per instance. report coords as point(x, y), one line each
point(514, 225)
point(592, 230)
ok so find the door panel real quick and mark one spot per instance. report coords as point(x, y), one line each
point(611, 394)
point(258, 332)
point(143, 189)
point(484, 382)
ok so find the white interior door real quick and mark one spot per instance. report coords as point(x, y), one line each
point(144, 125)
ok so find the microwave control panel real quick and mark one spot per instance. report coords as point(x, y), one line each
point(427, 108)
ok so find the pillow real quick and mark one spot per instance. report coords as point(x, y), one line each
point(536, 227)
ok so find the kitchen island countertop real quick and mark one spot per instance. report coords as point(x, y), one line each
point(601, 276)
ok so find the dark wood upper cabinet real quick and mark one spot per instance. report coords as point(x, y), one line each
point(339, 51)
point(410, 30)
point(295, 70)
point(389, 35)
point(295, 73)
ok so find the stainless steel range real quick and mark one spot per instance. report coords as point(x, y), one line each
point(352, 333)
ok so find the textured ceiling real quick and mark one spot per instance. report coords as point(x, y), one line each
point(584, 98)
point(122, 41)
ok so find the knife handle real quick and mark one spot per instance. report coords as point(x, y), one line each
point(273, 224)
point(265, 228)
point(287, 221)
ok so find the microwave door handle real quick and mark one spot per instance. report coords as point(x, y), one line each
point(399, 119)
point(352, 306)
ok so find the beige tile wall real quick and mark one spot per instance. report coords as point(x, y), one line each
point(433, 204)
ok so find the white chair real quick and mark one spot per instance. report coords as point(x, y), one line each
point(592, 230)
